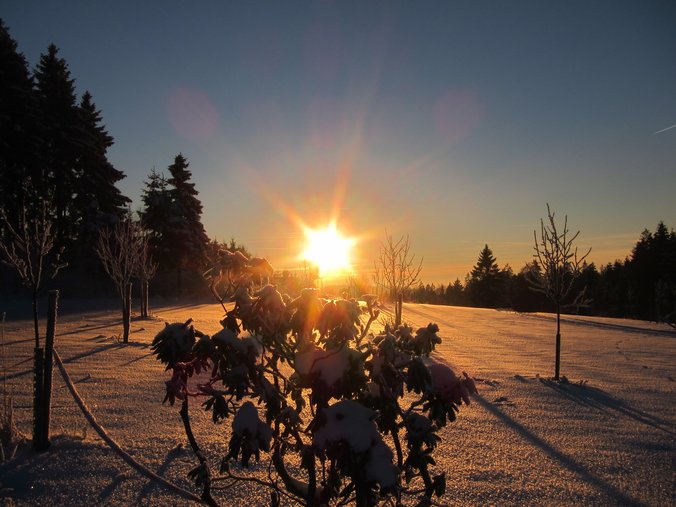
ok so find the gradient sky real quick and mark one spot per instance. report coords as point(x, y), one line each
point(454, 122)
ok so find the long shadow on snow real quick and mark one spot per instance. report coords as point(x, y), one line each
point(611, 491)
point(110, 488)
point(82, 329)
point(139, 358)
point(602, 325)
point(81, 355)
point(171, 308)
point(600, 400)
point(151, 486)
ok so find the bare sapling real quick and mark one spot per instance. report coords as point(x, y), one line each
point(559, 265)
point(28, 247)
point(396, 271)
point(308, 390)
point(119, 249)
point(147, 268)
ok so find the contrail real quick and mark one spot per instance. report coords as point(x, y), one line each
point(664, 130)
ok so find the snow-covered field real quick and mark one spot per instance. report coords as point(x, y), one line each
point(606, 438)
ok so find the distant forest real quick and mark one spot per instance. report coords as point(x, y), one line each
point(642, 286)
point(54, 164)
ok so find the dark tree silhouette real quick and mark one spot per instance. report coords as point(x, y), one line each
point(18, 121)
point(61, 140)
point(485, 283)
point(520, 292)
point(455, 293)
point(98, 201)
point(96, 190)
point(188, 238)
point(156, 216)
point(652, 273)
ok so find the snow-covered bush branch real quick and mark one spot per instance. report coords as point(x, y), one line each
point(339, 415)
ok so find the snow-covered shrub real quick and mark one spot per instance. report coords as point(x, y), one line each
point(302, 381)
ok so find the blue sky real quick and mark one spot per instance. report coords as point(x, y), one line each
point(454, 122)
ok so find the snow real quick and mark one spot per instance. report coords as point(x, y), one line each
point(523, 441)
point(379, 466)
point(418, 424)
point(352, 423)
point(447, 385)
point(246, 419)
point(247, 424)
point(245, 345)
point(331, 365)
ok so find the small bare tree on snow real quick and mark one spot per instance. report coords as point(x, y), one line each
point(559, 266)
point(28, 248)
point(146, 270)
point(396, 270)
point(119, 249)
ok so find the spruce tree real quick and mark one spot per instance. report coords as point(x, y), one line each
point(98, 203)
point(189, 239)
point(157, 217)
point(18, 120)
point(652, 274)
point(60, 132)
point(486, 264)
point(455, 293)
point(484, 285)
point(97, 198)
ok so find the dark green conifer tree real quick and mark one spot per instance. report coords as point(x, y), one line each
point(60, 144)
point(189, 239)
point(97, 201)
point(484, 285)
point(18, 121)
point(652, 274)
point(157, 217)
point(97, 197)
point(455, 293)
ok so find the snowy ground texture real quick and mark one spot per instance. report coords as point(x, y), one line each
point(606, 438)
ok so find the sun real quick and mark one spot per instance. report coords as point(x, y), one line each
point(328, 249)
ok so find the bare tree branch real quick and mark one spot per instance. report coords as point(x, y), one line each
point(26, 247)
point(120, 250)
point(558, 266)
point(395, 268)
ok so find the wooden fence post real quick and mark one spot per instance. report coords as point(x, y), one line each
point(48, 368)
point(38, 367)
point(398, 309)
point(144, 298)
point(126, 313)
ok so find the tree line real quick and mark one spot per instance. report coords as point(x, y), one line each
point(641, 286)
point(54, 166)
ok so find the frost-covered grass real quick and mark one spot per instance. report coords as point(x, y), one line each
point(606, 437)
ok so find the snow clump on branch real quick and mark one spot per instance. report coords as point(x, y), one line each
point(350, 423)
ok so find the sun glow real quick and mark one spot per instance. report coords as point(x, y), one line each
point(328, 249)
